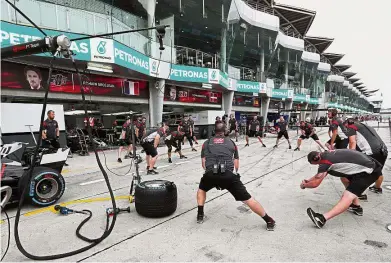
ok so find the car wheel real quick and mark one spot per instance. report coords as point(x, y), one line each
point(156, 198)
point(45, 187)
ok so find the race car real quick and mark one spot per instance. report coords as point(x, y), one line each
point(46, 186)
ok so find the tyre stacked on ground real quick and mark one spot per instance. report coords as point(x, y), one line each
point(156, 198)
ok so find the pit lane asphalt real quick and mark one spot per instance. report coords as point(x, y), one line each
point(231, 233)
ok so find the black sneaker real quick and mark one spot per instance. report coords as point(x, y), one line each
point(247, 145)
point(297, 149)
point(270, 226)
point(236, 140)
point(152, 172)
point(183, 157)
point(263, 145)
point(290, 147)
point(363, 198)
point(65, 164)
point(317, 219)
point(169, 160)
point(194, 150)
point(376, 190)
point(153, 168)
point(200, 218)
point(128, 156)
point(356, 210)
point(275, 146)
point(119, 160)
point(196, 142)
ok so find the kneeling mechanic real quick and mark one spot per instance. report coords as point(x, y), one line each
point(219, 158)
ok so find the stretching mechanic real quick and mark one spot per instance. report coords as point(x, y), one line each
point(340, 132)
point(307, 131)
point(359, 169)
point(219, 158)
point(140, 128)
point(253, 131)
point(366, 140)
point(330, 133)
point(192, 128)
point(186, 127)
point(233, 126)
point(282, 131)
point(174, 140)
point(125, 140)
point(150, 144)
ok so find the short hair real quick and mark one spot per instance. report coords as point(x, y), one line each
point(313, 156)
point(50, 111)
point(220, 127)
point(334, 112)
point(36, 70)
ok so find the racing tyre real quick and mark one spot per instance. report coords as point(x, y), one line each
point(156, 198)
point(45, 187)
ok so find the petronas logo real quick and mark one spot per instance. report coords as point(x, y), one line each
point(101, 47)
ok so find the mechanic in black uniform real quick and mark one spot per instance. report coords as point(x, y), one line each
point(219, 159)
point(359, 169)
point(282, 131)
point(186, 127)
point(340, 132)
point(253, 130)
point(150, 143)
point(140, 128)
point(125, 140)
point(308, 131)
point(366, 140)
point(330, 133)
point(174, 139)
point(51, 132)
point(192, 128)
point(233, 126)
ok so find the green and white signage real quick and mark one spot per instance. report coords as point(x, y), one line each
point(302, 98)
point(282, 93)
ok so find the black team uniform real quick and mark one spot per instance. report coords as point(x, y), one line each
point(222, 150)
point(174, 139)
point(233, 127)
point(282, 131)
point(52, 140)
point(369, 142)
point(341, 141)
point(185, 126)
point(254, 132)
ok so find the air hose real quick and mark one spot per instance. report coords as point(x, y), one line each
point(109, 226)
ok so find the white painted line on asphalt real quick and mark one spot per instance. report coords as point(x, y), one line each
point(92, 182)
point(183, 162)
point(163, 166)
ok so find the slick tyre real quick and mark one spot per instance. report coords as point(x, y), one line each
point(45, 187)
point(156, 198)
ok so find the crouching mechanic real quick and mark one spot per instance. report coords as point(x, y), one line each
point(357, 168)
point(219, 158)
point(174, 139)
point(307, 131)
point(125, 140)
point(150, 144)
point(365, 139)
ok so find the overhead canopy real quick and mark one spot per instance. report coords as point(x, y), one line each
point(353, 80)
point(321, 43)
point(348, 74)
point(357, 84)
point(333, 58)
point(296, 18)
point(342, 68)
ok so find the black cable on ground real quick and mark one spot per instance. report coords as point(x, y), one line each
point(9, 233)
point(130, 168)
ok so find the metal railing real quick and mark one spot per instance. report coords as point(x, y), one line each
point(193, 57)
point(260, 6)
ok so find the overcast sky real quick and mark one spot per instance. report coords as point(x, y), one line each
point(361, 31)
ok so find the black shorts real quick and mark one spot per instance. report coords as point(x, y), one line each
point(228, 181)
point(231, 129)
point(253, 133)
point(283, 133)
point(341, 143)
point(149, 149)
point(381, 158)
point(313, 136)
point(174, 144)
point(124, 142)
point(358, 183)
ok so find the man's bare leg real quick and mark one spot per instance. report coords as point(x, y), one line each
point(343, 204)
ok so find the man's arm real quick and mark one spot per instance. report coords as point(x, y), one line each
point(122, 136)
point(203, 163)
point(156, 142)
point(352, 142)
point(314, 181)
point(57, 130)
point(335, 133)
point(136, 131)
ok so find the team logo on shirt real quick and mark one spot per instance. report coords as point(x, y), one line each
point(218, 140)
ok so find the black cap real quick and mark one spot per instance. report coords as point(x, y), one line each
point(312, 156)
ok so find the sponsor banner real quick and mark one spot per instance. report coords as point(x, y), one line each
point(263, 88)
point(17, 76)
point(11, 34)
point(102, 50)
point(181, 94)
point(245, 100)
point(189, 74)
point(247, 86)
point(132, 59)
point(314, 101)
point(224, 80)
point(282, 93)
point(213, 76)
point(302, 98)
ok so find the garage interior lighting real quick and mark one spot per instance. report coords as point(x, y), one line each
point(80, 112)
point(122, 113)
point(99, 67)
